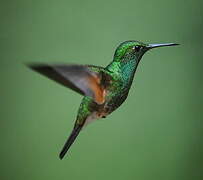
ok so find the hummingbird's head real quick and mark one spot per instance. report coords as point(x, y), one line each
point(130, 50)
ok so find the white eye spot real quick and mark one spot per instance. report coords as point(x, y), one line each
point(136, 48)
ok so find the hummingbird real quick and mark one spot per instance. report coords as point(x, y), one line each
point(104, 88)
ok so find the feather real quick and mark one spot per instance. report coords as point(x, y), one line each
point(76, 77)
point(76, 130)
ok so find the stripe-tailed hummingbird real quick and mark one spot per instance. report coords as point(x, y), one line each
point(104, 88)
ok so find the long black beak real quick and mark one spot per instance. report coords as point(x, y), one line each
point(150, 46)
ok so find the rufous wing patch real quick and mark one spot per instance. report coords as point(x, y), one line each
point(97, 89)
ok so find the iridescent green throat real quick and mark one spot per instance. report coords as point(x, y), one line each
point(124, 68)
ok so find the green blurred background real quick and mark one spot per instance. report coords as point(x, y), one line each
point(156, 134)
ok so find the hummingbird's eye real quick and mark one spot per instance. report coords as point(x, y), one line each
point(136, 48)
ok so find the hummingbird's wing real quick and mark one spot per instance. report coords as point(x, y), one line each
point(85, 80)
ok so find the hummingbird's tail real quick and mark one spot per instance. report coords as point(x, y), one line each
point(76, 130)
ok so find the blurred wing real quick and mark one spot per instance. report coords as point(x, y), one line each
point(76, 77)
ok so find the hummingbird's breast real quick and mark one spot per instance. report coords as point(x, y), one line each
point(114, 99)
point(89, 110)
point(116, 85)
